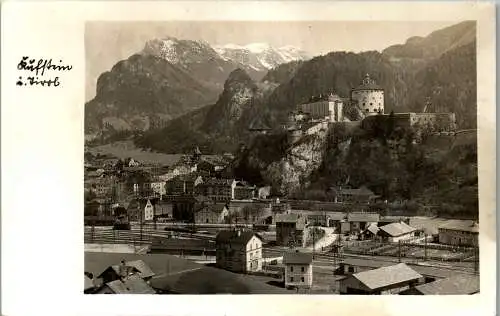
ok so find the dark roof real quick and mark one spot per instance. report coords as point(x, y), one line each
point(381, 277)
point(97, 262)
point(297, 258)
point(130, 285)
point(368, 84)
point(235, 236)
point(397, 229)
point(455, 285)
point(219, 182)
point(461, 225)
point(88, 283)
point(363, 217)
point(209, 280)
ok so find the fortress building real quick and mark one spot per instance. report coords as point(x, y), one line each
point(369, 97)
point(325, 108)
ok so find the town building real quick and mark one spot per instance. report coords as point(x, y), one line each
point(218, 189)
point(157, 209)
point(385, 280)
point(318, 218)
point(130, 285)
point(369, 97)
point(455, 285)
point(126, 269)
point(238, 251)
point(159, 188)
point(298, 269)
point(183, 184)
point(291, 230)
point(359, 221)
point(396, 232)
point(244, 191)
point(459, 233)
point(347, 195)
point(212, 213)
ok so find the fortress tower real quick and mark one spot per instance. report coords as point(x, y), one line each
point(369, 97)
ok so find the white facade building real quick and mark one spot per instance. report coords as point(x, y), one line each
point(369, 97)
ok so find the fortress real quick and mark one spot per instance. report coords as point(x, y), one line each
point(369, 101)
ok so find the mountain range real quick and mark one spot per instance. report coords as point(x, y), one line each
point(170, 77)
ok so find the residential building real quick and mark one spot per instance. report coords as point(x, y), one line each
point(239, 251)
point(459, 232)
point(159, 188)
point(183, 184)
point(217, 189)
point(455, 285)
point(126, 269)
point(212, 213)
point(264, 192)
point(298, 269)
point(385, 280)
point(185, 207)
point(318, 218)
point(244, 191)
point(129, 285)
point(396, 232)
point(291, 230)
point(347, 195)
point(359, 221)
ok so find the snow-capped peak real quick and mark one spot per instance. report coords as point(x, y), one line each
point(260, 55)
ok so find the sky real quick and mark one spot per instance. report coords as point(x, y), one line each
point(106, 43)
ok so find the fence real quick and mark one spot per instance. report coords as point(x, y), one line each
point(411, 249)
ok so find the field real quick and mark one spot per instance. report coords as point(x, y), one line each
point(125, 149)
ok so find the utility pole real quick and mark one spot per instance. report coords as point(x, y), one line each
point(399, 250)
point(425, 247)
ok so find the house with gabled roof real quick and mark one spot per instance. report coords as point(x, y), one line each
point(126, 269)
point(298, 269)
point(385, 280)
point(238, 251)
point(460, 284)
point(395, 232)
point(133, 284)
point(291, 230)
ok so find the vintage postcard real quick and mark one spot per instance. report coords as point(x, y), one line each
point(317, 154)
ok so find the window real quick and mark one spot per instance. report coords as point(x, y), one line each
point(364, 103)
point(371, 103)
point(302, 279)
point(302, 269)
point(291, 279)
point(291, 269)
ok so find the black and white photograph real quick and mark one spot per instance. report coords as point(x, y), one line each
point(281, 157)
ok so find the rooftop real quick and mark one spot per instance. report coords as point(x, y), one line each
point(461, 225)
point(397, 229)
point(97, 262)
point(455, 285)
point(363, 217)
point(382, 277)
point(236, 237)
point(209, 280)
point(368, 84)
point(219, 182)
point(130, 285)
point(297, 258)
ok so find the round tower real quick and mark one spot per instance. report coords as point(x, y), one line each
point(369, 97)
